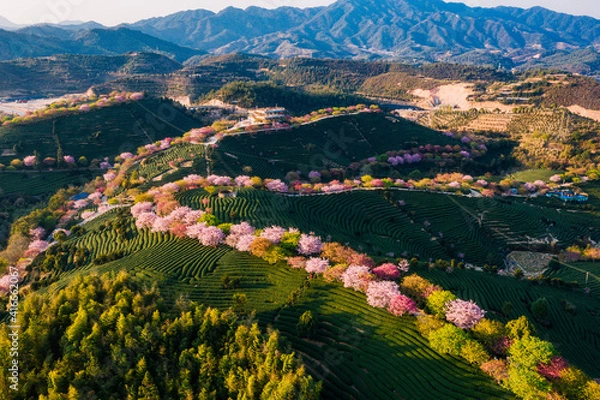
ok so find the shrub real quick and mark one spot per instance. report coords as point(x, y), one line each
point(307, 324)
point(436, 302)
point(449, 339)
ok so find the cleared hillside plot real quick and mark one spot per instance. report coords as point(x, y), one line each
point(428, 225)
point(576, 334)
point(333, 142)
point(104, 132)
point(358, 352)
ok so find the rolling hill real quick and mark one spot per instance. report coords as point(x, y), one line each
point(51, 40)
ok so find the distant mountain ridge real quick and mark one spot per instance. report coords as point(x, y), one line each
point(48, 40)
point(408, 30)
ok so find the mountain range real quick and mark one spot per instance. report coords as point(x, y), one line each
point(412, 30)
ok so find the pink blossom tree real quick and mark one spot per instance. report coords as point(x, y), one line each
point(244, 242)
point(211, 236)
point(29, 161)
point(380, 293)
point(237, 231)
point(69, 159)
point(387, 271)
point(315, 265)
point(357, 277)
point(216, 180)
point(180, 213)
point(36, 247)
point(309, 244)
point(195, 231)
point(89, 214)
point(464, 314)
point(161, 224)
point(555, 178)
point(37, 233)
point(554, 369)
point(277, 186)
point(126, 156)
point(401, 304)
point(79, 204)
point(243, 228)
point(274, 234)
point(110, 176)
point(243, 181)
point(193, 179)
point(136, 96)
point(139, 208)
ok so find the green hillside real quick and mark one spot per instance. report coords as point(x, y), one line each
point(374, 221)
point(105, 132)
point(358, 352)
point(329, 143)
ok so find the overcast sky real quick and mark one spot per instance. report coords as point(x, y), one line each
point(113, 12)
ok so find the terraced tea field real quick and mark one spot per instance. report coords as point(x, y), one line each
point(358, 352)
point(575, 334)
point(37, 183)
point(587, 274)
point(429, 225)
point(105, 132)
point(329, 143)
point(158, 164)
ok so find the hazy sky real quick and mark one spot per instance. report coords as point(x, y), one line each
point(113, 12)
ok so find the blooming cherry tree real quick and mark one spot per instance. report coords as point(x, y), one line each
point(380, 293)
point(555, 178)
point(211, 236)
point(464, 314)
point(401, 304)
point(243, 181)
point(79, 204)
point(161, 224)
point(357, 277)
point(88, 214)
point(309, 244)
point(37, 233)
point(110, 176)
point(36, 247)
point(316, 265)
point(244, 242)
point(140, 208)
point(387, 271)
point(275, 234)
point(277, 186)
point(29, 161)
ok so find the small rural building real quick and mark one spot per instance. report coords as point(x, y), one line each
point(80, 196)
point(267, 115)
point(568, 195)
point(225, 194)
